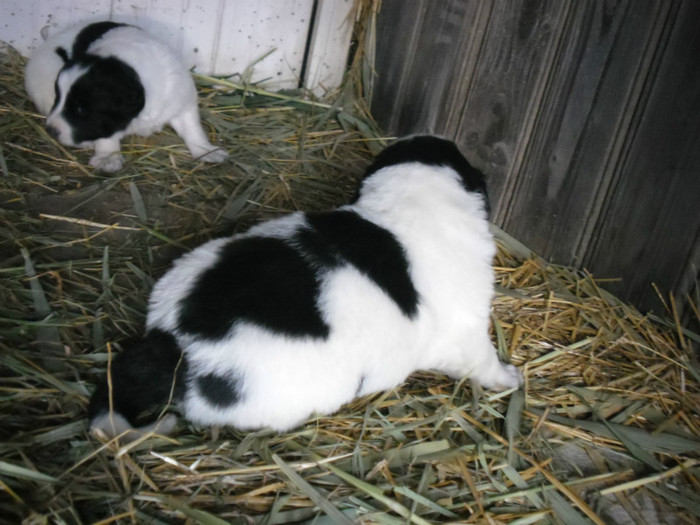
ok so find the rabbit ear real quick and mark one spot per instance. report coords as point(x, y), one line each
point(61, 52)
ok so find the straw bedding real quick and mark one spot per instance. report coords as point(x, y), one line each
point(607, 429)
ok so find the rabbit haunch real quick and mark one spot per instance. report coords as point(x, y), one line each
point(302, 314)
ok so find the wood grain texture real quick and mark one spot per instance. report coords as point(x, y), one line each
point(650, 227)
point(584, 116)
point(509, 81)
point(397, 38)
point(409, 36)
point(593, 85)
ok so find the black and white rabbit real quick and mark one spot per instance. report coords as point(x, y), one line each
point(301, 314)
point(98, 82)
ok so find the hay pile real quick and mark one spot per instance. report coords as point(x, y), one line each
point(607, 430)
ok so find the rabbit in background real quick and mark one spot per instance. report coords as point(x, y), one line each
point(303, 313)
point(99, 82)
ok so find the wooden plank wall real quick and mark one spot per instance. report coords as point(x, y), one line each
point(585, 116)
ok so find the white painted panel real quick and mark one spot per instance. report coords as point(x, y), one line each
point(251, 29)
point(330, 44)
point(166, 19)
point(21, 21)
point(221, 37)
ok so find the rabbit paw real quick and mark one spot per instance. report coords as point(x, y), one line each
point(109, 163)
point(501, 377)
point(213, 156)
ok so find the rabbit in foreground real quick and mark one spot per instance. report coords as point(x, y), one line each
point(99, 82)
point(301, 314)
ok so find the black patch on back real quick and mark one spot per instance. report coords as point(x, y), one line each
point(432, 151)
point(256, 279)
point(218, 390)
point(104, 100)
point(88, 35)
point(143, 377)
point(341, 237)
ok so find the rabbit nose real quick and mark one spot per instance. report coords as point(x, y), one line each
point(52, 131)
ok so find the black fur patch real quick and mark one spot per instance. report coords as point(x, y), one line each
point(84, 39)
point(107, 97)
point(56, 95)
point(143, 378)
point(88, 35)
point(341, 237)
point(218, 390)
point(61, 52)
point(256, 279)
point(432, 151)
point(104, 100)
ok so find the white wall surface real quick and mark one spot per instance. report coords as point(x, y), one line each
point(220, 37)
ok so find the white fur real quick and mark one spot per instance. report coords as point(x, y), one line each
point(171, 97)
point(113, 425)
point(444, 232)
